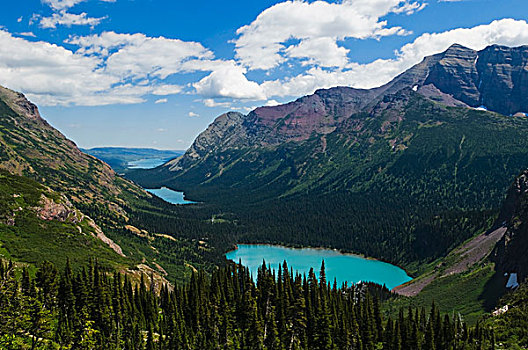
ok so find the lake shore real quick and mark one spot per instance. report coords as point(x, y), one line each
point(344, 266)
point(341, 251)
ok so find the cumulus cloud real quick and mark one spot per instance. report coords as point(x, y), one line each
point(209, 102)
point(194, 115)
point(139, 56)
point(507, 32)
point(318, 25)
point(61, 16)
point(28, 34)
point(229, 81)
point(161, 100)
point(94, 74)
point(59, 5)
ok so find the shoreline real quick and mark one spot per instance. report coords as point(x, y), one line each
point(340, 251)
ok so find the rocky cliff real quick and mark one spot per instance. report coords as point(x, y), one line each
point(511, 252)
point(495, 78)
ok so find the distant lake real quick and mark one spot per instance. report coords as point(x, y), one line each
point(169, 195)
point(147, 163)
point(344, 267)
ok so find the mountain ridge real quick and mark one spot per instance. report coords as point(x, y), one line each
point(457, 77)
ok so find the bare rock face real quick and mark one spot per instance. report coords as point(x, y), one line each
point(456, 74)
point(227, 130)
point(64, 211)
point(503, 84)
point(511, 252)
point(496, 77)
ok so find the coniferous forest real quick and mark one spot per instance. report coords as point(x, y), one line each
point(93, 309)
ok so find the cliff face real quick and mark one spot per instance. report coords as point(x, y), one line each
point(503, 74)
point(496, 77)
point(511, 253)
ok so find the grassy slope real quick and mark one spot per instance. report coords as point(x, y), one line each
point(31, 147)
point(33, 240)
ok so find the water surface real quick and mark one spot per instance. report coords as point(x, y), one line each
point(343, 267)
point(169, 195)
point(147, 163)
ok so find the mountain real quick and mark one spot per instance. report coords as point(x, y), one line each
point(495, 77)
point(395, 172)
point(59, 203)
point(123, 158)
point(29, 146)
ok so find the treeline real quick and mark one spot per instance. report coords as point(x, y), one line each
point(92, 309)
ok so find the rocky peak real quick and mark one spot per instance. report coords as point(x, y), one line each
point(503, 74)
point(456, 74)
point(496, 77)
point(19, 103)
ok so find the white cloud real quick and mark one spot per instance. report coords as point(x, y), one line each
point(192, 114)
point(59, 5)
point(229, 81)
point(507, 32)
point(161, 100)
point(20, 19)
point(167, 89)
point(28, 34)
point(209, 102)
point(61, 16)
point(53, 75)
point(139, 56)
point(319, 51)
point(318, 25)
point(271, 103)
point(69, 19)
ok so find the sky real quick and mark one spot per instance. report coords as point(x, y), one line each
point(155, 73)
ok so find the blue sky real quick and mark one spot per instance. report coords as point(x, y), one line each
point(154, 73)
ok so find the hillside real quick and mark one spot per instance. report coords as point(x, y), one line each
point(58, 203)
point(404, 172)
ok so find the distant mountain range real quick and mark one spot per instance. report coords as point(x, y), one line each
point(119, 158)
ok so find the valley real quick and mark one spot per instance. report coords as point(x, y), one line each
point(411, 174)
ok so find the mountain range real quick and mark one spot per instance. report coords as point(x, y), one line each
point(427, 171)
point(403, 172)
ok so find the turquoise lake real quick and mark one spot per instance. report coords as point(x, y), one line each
point(343, 267)
point(147, 163)
point(169, 195)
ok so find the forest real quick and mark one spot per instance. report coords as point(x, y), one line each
point(95, 309)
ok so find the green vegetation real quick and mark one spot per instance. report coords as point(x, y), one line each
point(470, 294)
point(406, 190)
point(92, 309)
point(511, 326)
point(26, 237)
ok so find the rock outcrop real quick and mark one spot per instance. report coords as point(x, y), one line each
point(511, 251)
point(496, 77)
